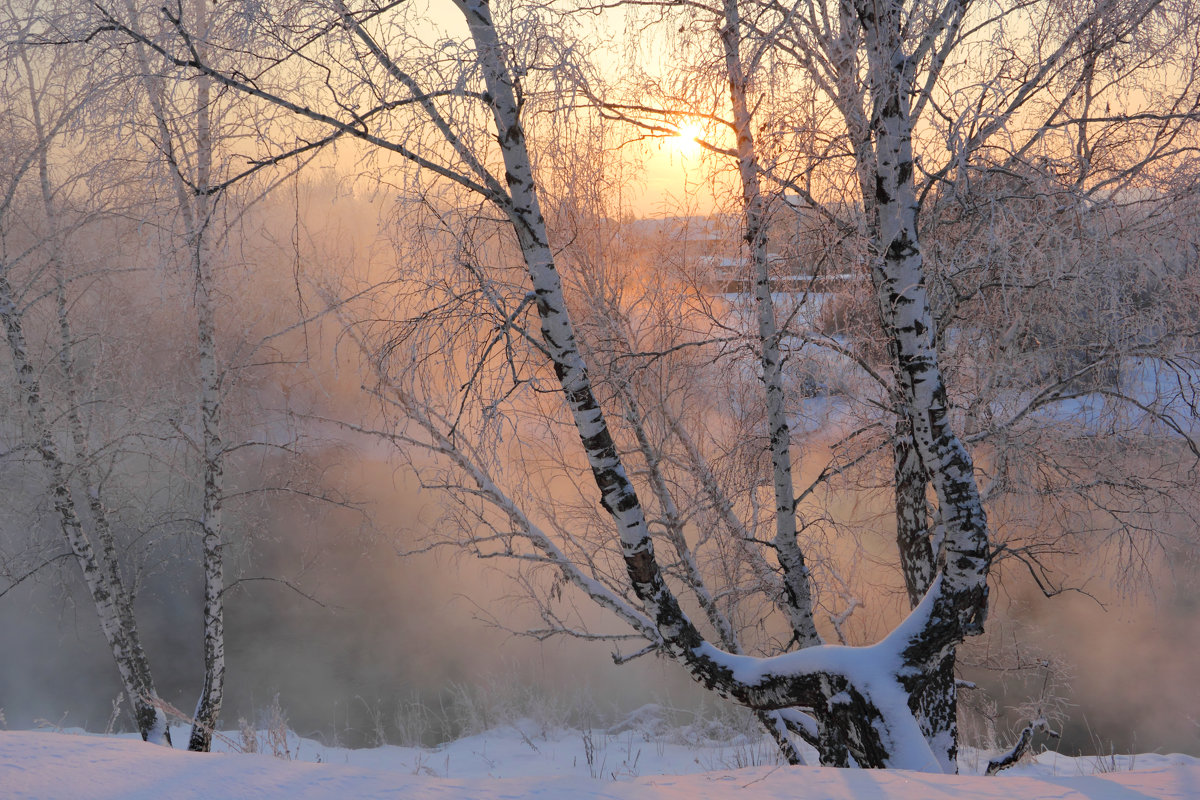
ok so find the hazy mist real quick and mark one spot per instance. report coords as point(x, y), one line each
point(332, 620)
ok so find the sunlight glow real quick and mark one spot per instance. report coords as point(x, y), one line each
point(685, 140)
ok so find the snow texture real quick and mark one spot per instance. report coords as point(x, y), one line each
point(507, 764)
point(872, 670)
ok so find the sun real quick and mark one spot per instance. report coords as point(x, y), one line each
point(686, 139)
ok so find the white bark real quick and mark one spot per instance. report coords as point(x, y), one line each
point(100, 573)
point(71, 472)
point(904, 306)
point(870, 727)
point(195, 207)
point(873, 733)
point(208, 706)
point(775, 723)
point(797, 603)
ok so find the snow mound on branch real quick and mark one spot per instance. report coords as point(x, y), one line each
point(49, 766)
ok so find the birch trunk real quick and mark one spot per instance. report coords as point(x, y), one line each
point(101, 571)
point(195, 207)
point(208, 705)
point(912, 515)
point(899, 281)
point(681, 639)
point(898, 277)
point(797, 603)
point(101, 574)
point(935, 703)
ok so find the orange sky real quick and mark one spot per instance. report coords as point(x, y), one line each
point(676, 179)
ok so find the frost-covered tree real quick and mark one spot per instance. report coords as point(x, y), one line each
point(185, 140)
point(49, 95)
point(500, 309)
point(195, 130)
point(125, 217)
point(1082, 194)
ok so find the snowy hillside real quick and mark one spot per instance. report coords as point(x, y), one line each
point(518, 761)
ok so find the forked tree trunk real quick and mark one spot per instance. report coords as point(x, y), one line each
point(936, 704)
point(849, 689)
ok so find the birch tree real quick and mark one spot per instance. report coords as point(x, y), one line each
point(77, 176)
point(843, 139)
point(468, 111)
point(34, 227)
point(188, 154)
point(195, 129)
point(874, 726)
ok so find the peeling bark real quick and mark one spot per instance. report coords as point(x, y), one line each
point(912, 515)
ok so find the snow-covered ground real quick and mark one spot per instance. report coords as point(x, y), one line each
point(522, 761)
